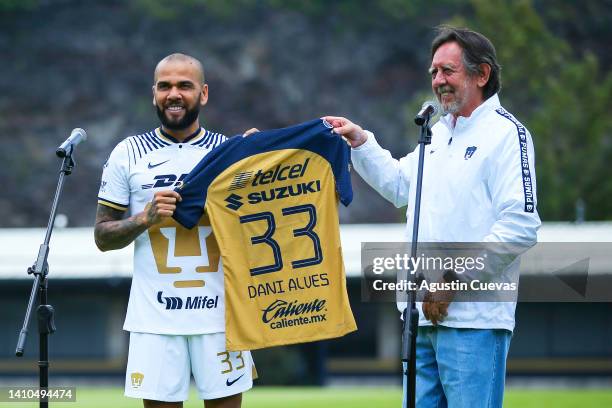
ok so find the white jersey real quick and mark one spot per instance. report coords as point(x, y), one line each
point(177, 285)
point(478, 186)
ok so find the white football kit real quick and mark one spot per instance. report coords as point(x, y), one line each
point(177, 284)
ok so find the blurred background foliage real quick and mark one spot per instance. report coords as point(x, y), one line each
point(273, 63)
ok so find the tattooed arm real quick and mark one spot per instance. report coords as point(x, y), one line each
point(113, 232)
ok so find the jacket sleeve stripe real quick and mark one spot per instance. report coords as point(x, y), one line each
point(525, 170)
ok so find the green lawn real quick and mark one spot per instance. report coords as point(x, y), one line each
point(367, 397)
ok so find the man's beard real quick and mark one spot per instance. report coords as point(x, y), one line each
point(190, 116)
point(454, 106)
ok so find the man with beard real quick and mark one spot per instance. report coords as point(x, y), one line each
point(478, 186)
point(176, 313)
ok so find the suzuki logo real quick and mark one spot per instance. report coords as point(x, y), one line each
point(234, 202)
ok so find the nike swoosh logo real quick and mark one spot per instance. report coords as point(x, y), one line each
point(158, 164)
point(230, 383)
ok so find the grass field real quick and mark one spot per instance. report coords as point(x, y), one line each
point(367, 397)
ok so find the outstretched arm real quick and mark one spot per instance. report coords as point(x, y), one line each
point(355, 135)
point(388, 176)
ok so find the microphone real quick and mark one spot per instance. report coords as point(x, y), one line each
point(77, 136)
point(429, 109)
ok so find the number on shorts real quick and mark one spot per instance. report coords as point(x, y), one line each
point(226, 360)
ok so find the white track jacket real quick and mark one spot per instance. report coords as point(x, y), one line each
point(479, 185)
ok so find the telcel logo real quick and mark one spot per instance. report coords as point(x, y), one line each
point(280, 173)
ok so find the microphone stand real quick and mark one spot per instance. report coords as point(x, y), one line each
point(40, 269)
point(411, 314)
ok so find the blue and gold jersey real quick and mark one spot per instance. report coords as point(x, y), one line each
point(272, 200)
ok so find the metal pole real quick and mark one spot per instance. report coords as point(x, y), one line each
point(411, 314)
point(44, 312)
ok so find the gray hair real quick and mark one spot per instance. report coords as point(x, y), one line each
point(477, 50)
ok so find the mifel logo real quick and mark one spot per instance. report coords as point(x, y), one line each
point(137, 379)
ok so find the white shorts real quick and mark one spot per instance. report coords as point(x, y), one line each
point(160, 367)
